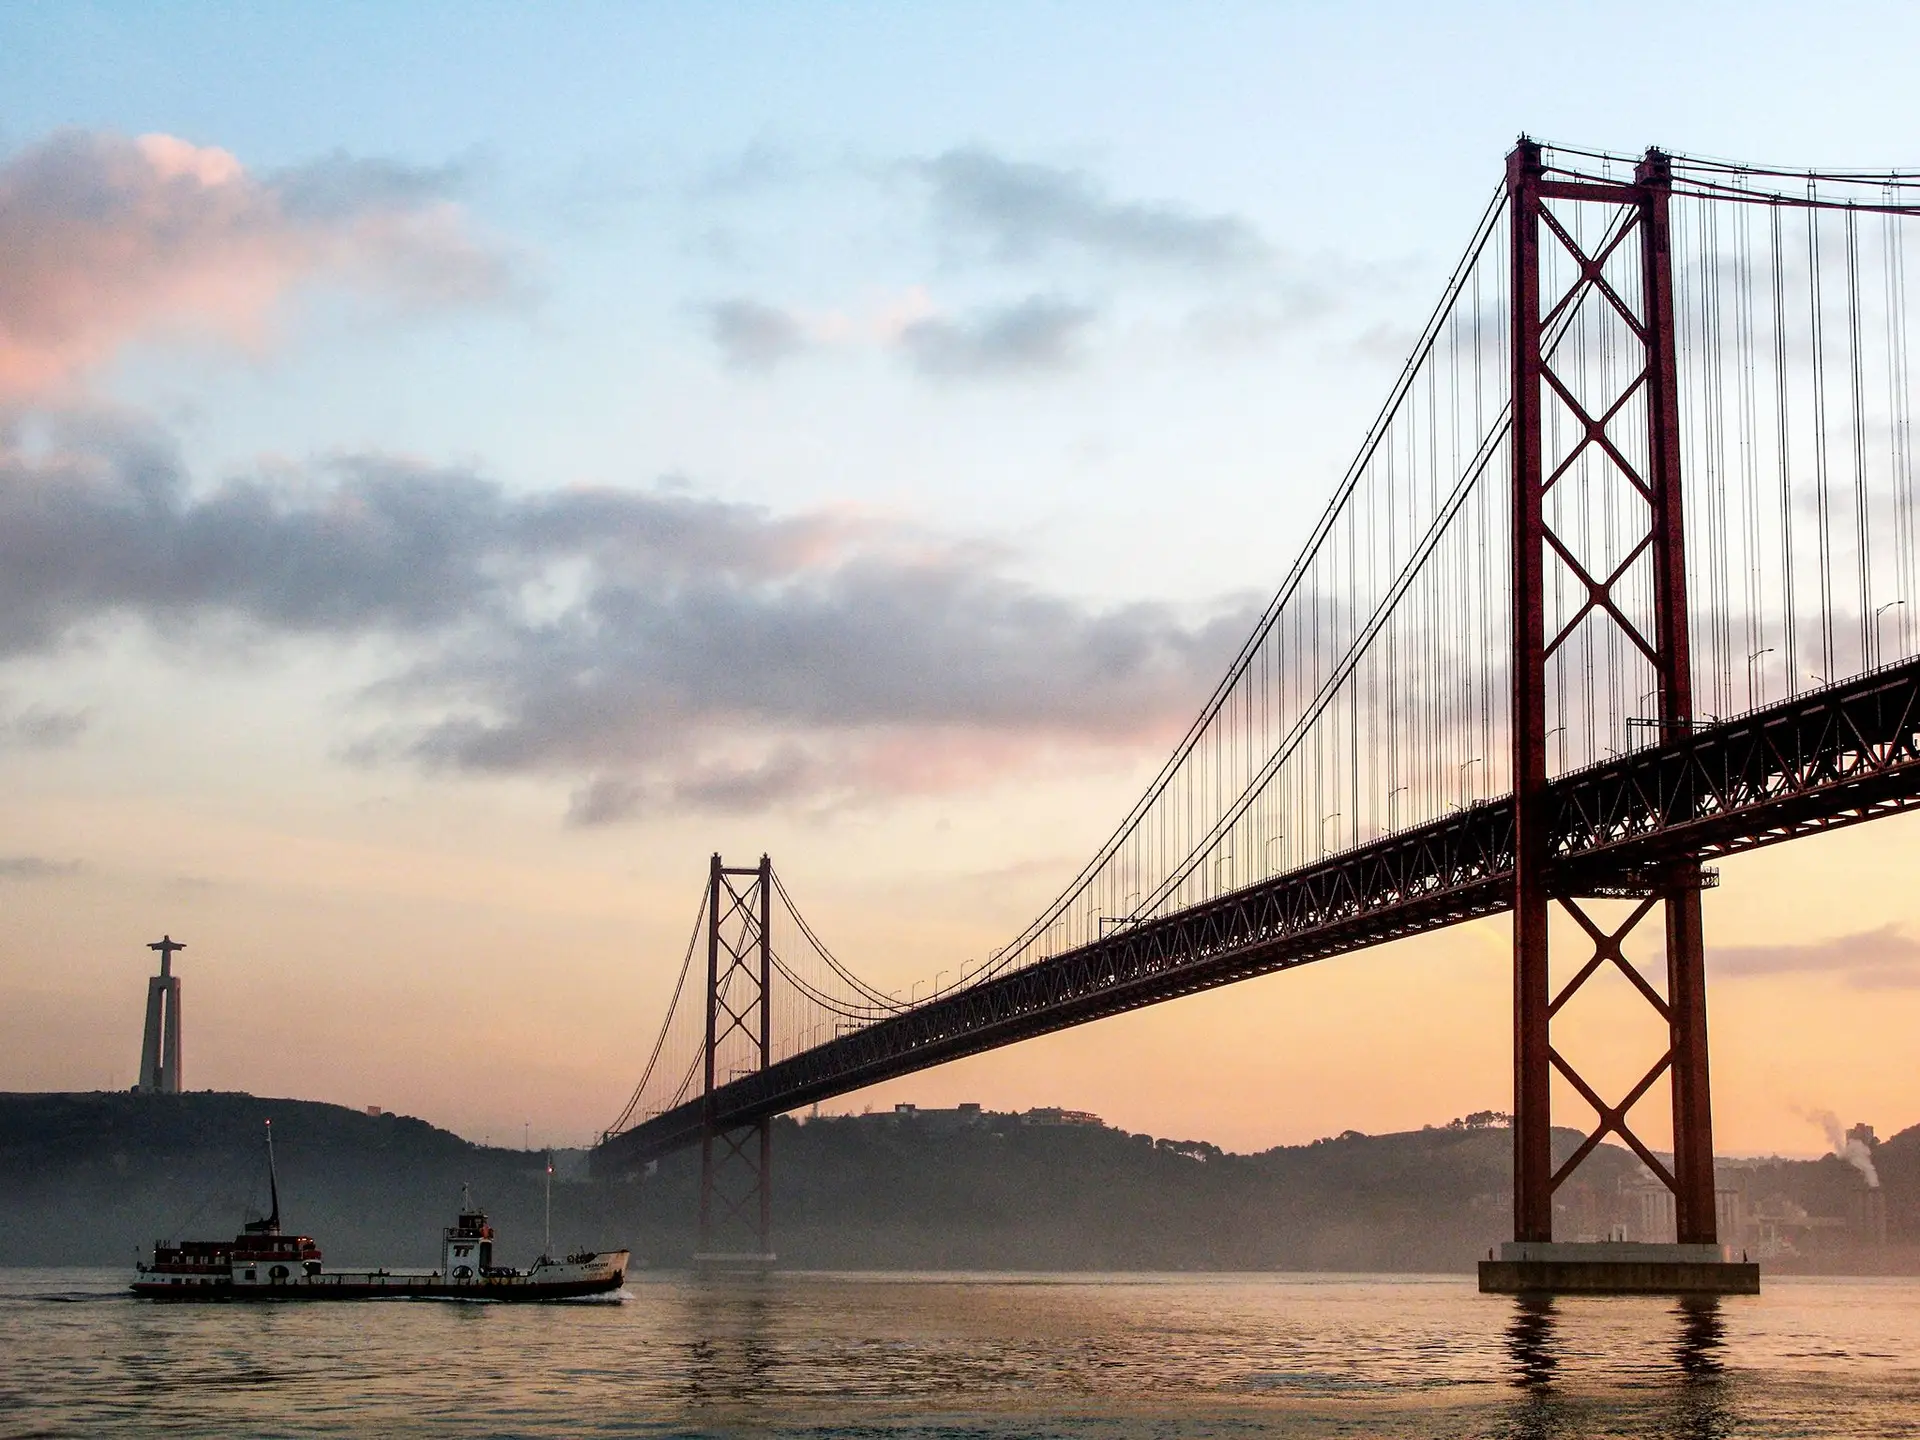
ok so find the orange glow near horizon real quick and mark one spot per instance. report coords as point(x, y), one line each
point(447, 953)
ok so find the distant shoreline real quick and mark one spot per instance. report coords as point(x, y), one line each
point(89, 1178)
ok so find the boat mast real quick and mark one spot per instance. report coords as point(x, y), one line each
point(547, 1252)
point(273, 1184)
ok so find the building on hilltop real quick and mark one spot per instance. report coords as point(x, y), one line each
point(964, 1116)
point(971, 1115)
point(1053, 1115)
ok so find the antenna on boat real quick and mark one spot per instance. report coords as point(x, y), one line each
point(547, 1252)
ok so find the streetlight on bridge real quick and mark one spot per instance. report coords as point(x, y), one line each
point(1751, 659)
point(1878, 651)
point(1463, 780)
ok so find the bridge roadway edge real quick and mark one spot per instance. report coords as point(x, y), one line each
point(1821, 760)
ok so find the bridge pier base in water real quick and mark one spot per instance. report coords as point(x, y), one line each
point(1617, 1268)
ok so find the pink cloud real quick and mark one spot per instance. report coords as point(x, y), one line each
point(826, 770)
point(952, 759)
point(108, 238)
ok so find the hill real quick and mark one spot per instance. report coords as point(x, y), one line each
point(92, 1178)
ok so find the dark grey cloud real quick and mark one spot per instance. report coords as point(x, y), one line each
point(658, 648)
point(36, 867)
point(863, 640)
point(110, 527)
point(1879, 959)
point(103, 523)
point(1037, 334)
point(751, 335)
point(1021, 209)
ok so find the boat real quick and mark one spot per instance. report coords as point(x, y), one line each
point(262, 1263)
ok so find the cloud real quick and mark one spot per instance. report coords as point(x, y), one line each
point(788, 773)
point(1021, 209)
point(35, 867)
point(108, 238)
point(868, 671)
point(1039, 333)
point(761, 165)
point(1880, 959)
point(606, 800)
point(101, 522)
point(751, 335)
point(1384, 341)
point(41, 727)
point(342, 189)
point(657, 648)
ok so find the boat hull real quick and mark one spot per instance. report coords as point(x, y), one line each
point(548, 1282)
point(418, 1290)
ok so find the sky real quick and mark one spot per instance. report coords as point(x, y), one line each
point(464, 465)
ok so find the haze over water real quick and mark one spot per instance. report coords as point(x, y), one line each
point(911, 1355)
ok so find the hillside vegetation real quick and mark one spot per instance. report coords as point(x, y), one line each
point(95, 1178)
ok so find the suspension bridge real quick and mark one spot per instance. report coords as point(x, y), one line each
point(1621, 581)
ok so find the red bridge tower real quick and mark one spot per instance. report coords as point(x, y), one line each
point(1640, 211)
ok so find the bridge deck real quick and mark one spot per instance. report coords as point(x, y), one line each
point(1828, 758)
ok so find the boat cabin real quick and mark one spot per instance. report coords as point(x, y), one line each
point(260, 1259)
point(255, 1258)
point(466, 1247)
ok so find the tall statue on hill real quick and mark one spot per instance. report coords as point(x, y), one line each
point(160, 1050)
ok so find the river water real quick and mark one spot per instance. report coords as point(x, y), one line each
point(1112, 1356)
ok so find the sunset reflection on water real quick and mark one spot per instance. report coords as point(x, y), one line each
point(976, 1355)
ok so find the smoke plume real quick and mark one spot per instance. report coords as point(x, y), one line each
point(1854, 1152)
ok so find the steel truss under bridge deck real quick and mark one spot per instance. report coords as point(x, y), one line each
point(1821, 760)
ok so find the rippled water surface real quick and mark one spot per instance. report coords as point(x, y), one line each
point(937, 1355)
